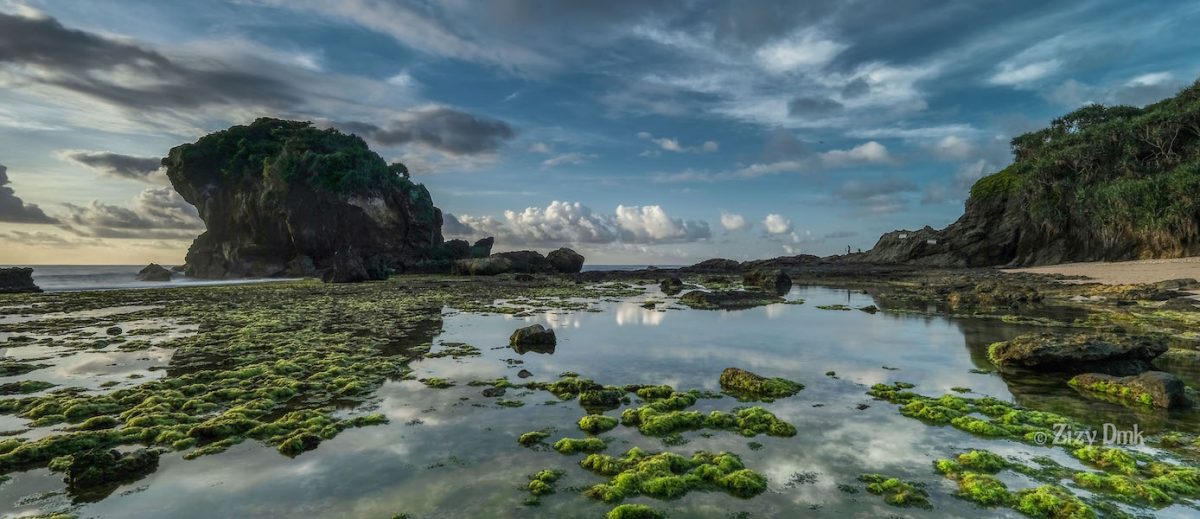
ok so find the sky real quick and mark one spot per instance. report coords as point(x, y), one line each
point(647, 132)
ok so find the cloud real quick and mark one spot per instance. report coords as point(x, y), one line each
point(156, 213)
point(438, 127)
point(15, 210)
point(880, 196)
point(734, 222)
point(1011, 74)
point(813, 107)
point(806, 49)
point(777, 224)
point(143, 169)
point(46, 240)
point(566, 222)
point(953, 147)
point(541, 147)
point(674, 146)
point(573, 158)
point(1137, 91)
point(867, 153)
point(650, 224)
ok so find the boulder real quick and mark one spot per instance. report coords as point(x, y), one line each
point(671, 286)
point(1151, 389)
point(16, 280)
point(154, 272)
point(1111, 354)
point(565, 261)
point(346, 268)
point(284, 198)
point(535, 337)
point(482, 248)
point(526, 261)
point(747, 385)
point(773, 280)
point(728, 299)
point(489, 266)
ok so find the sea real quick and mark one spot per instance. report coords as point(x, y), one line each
point(74, 278)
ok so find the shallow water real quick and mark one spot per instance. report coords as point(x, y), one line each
point(453, 453)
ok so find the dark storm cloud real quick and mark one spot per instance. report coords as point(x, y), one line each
point(157, 213)
point(15, 210)
point(118, 165)
point(445, 129)
point(813, 107)
point(126, 74)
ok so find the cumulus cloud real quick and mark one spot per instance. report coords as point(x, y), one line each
point(867, 153)
point(438, 127)
point(734, 222)
point(15, 210)
point(156, 213)
point(806, 49)
point(567, 222)
point(880, 196)
point(142, 169)
point(651, 223)
point(776, 224)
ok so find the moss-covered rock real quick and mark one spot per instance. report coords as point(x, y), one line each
point(750, 386)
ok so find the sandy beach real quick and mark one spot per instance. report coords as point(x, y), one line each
point(1125, 272)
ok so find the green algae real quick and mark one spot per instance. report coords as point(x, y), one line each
point(576, 445)
point(896, 492)
point(596, 423)
point(436, 383)
point(746, 385)
point(749, 422)
point(24, 387)
point(838, 307)
point(542, 484)
point(532, 438)
point(668, 475)
point(634, 511)
point(1052, 501)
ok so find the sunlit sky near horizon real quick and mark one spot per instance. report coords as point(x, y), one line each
point(656, 132)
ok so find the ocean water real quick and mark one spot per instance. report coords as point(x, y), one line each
point(64, 278)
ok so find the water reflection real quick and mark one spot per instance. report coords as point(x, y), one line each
point(634, 314)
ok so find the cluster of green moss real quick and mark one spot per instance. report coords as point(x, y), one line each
point(749, 422)
point(542, 484)
point(532, 438)
point(597, 423)
point(24, 387)
point(633, 511)
point(1121, 393)
point(575, 445)
point(746, 385)
point(896, 492)
point(668, 475)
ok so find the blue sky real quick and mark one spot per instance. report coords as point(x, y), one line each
point(637, 132)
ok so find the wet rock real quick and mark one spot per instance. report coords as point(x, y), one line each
point(535, 335)
point(671, 286)
point(728, 300)
point(1110, 354)
point(1152, 388)
point(347, 268)
point(494, 392)
point(1178, 284)
point(17, 279)
point(715, 265)
point(115, 330)
point(526, 261)
point(774, 280)
point(490, 266)
point(99, 467)
point(565, 261)
point(524, 374)
point(154, 272)
point(524, 278)
point(751, 386)
point(870, 309)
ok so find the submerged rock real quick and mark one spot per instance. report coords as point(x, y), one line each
point(774, 280)
point(534, 335)
point(565, 261)
point(154, 272)
point(1079, 353)
point(728, 299)
point(16, 280)
point(1152, 388)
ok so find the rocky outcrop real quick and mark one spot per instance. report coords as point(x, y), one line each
point(715, 265)
point(1150, 389)
point(283, 198)
point(154, 272)
point(536, 338)
point(565, 261)
point(671, 286)
point(1118, 355)
point(1099, 184)
point(526, 261)
point(728, 299)
point(772, 280)
point(17, 280)
point(490, 266)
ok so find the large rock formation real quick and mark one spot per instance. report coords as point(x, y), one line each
point(283, 198)
point(1099, 184)
point(565, 260)
point(17, 279)
point(154, 272)
point(1110, 354)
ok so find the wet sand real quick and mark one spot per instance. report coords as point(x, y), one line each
point(1125, 272)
